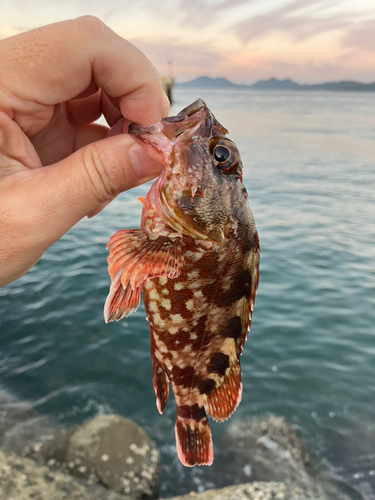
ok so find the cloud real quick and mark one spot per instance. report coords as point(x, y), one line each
point(189, 59)
point(201, 13)
point(300, 19)
point(242, 40)
point(361, 36)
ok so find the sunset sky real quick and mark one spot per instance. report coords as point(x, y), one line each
point(308, 41)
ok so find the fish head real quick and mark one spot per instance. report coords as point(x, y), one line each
point(202, 171)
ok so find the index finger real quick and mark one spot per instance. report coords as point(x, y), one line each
point(55, 63)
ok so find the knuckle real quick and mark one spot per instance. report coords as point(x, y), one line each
point(92, 25)
point(102, 173)
point(95, 173)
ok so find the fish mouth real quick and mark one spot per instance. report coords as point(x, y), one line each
point(171, 126)
point(192, 108)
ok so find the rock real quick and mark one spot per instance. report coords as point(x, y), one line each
point(20, 424)
point(255, 491)
point(119, 452)
point(266, 449)
point(51, 449)
point(108, 449)
point(12, 411)
point(269, 449)
point(27, 432)
point(22, 479)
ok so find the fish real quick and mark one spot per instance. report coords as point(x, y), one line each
point(195, 258)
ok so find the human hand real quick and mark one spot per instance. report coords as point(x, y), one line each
point(56, 165)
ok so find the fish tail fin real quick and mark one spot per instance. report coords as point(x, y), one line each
point(161, 385)
point(193, 439)
point(224, 399)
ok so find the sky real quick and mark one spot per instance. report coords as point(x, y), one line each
point(309, 41)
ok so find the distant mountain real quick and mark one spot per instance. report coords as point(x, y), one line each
point(275, 84)
point(207, 82)
point(342, 86)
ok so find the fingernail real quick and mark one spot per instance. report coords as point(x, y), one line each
point(143, 165)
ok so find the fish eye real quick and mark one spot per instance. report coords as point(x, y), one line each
point(221, 154)
point(225, 154)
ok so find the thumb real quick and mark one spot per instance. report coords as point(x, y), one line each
point(42, 204)
point(98, 172)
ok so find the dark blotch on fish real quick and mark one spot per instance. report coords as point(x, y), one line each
point(219, 362)
point(233, 328)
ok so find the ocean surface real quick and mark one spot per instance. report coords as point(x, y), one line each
point(309, 168)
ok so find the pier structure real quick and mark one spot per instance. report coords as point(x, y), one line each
point(168, 84)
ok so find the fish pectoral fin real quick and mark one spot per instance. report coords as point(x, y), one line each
point(193, 437)
point(134, 258)
point(226, 395)
point(161, 385)
point(120, 301)
point(140, 258)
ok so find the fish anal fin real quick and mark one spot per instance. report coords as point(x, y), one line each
point(226, 396)
point(193, 437)
point(224, 368)
point(161, 385)
point(120, 301)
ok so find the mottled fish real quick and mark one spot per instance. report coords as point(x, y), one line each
point(196, 260)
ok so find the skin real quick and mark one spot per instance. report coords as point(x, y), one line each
point(56, 165)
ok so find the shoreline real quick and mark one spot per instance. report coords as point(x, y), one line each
point(41, 458)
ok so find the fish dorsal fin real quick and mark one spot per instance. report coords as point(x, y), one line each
point(134, 258)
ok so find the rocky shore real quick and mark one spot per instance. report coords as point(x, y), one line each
point(112, 458)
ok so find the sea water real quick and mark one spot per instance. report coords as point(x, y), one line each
point(309, 168)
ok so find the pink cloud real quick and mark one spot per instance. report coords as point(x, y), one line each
point(294, 20)
point(189, 59)
point(361, 36)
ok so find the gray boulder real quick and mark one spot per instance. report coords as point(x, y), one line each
point(20, 424)
point(255, 491)
point(269, 449)
point(266, 449)
point(22, 479)
point(109, 449)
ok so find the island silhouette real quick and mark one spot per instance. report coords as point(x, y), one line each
point(275, 84)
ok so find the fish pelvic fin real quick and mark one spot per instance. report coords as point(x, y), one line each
point(161, 385)
point(193, 436)
point(120, 301)
point(134, 258)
